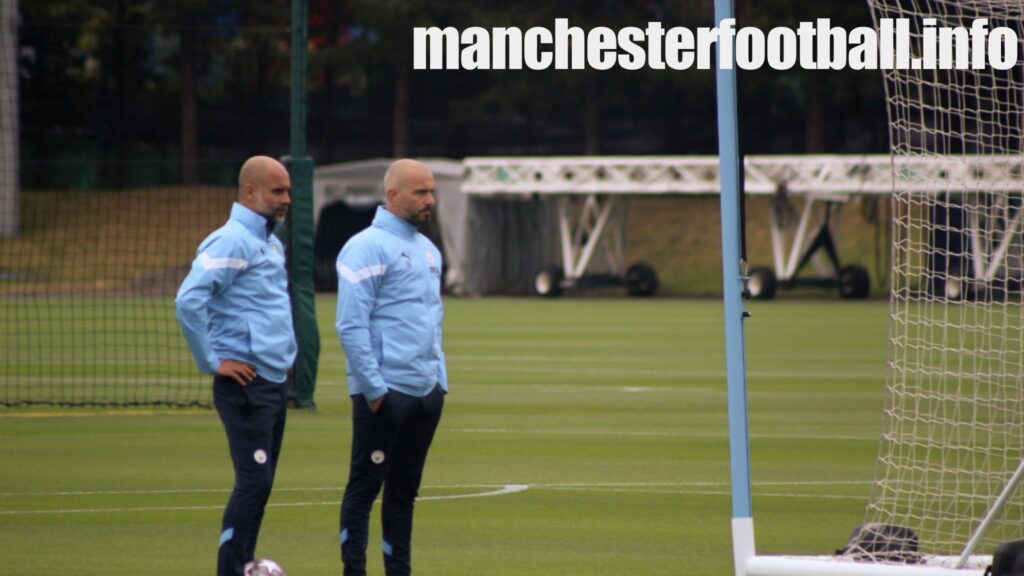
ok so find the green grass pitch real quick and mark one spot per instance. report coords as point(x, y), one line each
point(582, 437)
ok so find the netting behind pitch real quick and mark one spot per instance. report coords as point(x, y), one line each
point(953, 430)
point(87, 312)
point(106, 190)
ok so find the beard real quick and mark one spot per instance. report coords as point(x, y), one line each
point(277, 215)
point(423, 218)
point(418, 219)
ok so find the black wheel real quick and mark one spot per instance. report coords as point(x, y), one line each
point(548, 282)
point(761, 283)
point(641, 280)
point(854, 282)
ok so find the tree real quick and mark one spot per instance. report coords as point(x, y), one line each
point(835, 110)
point(332, 67)
point(81, 62)
point(192, 24)
point(390, 24)
point(9, 192)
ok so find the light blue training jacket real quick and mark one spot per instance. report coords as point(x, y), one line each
point(234, 305)
point(390, 310)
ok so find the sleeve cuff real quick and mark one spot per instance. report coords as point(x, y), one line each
point(374, 393)
point(213, 363)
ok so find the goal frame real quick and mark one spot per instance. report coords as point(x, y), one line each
point(746, 560)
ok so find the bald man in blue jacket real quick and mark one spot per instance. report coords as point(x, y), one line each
point(235, 312)
point(389, 323)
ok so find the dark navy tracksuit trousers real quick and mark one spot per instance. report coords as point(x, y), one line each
point(253, 417)
point(389, 449)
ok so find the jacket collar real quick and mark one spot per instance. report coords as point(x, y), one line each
point(393, 224)
point(254, 222)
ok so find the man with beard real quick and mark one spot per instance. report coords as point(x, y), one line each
point(235, 312)
point(389, 322)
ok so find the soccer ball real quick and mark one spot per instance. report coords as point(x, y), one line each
point(264, 567)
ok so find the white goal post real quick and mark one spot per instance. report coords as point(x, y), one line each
point(951, 451)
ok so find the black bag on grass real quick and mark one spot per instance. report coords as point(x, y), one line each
point(1008, 559)
point(877, 542)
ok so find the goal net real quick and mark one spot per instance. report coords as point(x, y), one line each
point(953, 427)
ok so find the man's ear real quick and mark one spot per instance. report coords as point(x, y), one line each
point(390, 194)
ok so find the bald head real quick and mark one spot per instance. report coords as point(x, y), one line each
point(255, 170)
point(409, 186)
point(265, 187)
point(401, 171)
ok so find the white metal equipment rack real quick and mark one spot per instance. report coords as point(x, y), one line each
point(591, 191)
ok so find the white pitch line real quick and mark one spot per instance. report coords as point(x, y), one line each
point(620, 359)
point(157, 492)
point(666, 488)
point(560, 485)
point(712, 493)
point(492, 431)
point(717, 493)
point(507, 489)
point(831, 374)
point(641, 433)
point(499, 488)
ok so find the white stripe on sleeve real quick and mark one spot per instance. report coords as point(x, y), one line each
point(355, 277)
point(212, 263)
